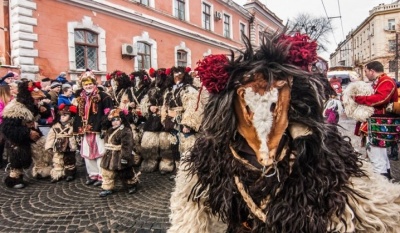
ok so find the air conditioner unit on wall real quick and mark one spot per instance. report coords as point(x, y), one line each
point(129, 50)
point(218, 15)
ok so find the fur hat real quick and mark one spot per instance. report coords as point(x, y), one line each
point(87, 76)
point(67, 109)
point(120, 113)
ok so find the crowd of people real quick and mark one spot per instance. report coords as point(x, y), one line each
point(133, 123)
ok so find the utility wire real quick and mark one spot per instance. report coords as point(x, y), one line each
point(341, 21)
point(329, 21)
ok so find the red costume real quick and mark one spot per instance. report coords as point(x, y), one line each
point(385, 92)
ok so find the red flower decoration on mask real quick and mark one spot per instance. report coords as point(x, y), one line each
point(212, 73)
point(303, 50)
point(152, 72)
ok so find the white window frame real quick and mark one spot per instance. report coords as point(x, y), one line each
point(230, 25)
point(145, 38)
point(211, 15)
point(182, 46)
point(87, 24)
point(187, 15)
point(245, 29)
point(391, 24)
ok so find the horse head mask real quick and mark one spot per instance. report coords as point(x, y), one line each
point(260, 89)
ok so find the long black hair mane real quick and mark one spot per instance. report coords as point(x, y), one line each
point(301, 200)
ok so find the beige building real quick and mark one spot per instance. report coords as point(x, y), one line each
point(44, 37)
point(374, 39)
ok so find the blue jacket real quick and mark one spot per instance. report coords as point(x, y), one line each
point(61, 79)
point(62, 99)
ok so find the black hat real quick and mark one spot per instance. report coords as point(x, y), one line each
point(8, 75)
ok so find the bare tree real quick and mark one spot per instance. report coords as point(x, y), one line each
point(317, 28)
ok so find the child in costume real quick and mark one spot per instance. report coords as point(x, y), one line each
point(118, 160)
point(61, 142)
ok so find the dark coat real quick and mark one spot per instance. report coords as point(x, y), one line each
point(101, 103)
point(112, 158)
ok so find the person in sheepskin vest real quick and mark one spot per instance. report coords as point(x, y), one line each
point(265, 160)
point(61, 142)
point(181, 115)
point(24, 141)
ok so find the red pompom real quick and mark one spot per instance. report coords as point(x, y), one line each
point(152, 72)
point(168, 71)
point(62, 106)
point(73, 109)
point(212, 73)
point(108, 77)
point(188, 69)
point(303, 50)
point(37, 84)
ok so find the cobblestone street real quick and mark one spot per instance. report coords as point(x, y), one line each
point(75, 207)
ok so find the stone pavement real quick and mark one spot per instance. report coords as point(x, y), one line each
point(76, 207)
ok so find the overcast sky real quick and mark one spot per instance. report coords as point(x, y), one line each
point(353, 13)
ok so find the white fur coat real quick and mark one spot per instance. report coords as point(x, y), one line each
point(352, 109)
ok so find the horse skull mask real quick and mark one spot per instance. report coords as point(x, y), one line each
point(262, 113)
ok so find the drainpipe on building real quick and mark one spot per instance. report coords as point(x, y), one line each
point(6, 29)
point(396, 57)
point(251, 21)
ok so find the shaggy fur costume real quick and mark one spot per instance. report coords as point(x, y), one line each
point(20, 148)
point(318, 184)
point(181, 108)
point(359, 112)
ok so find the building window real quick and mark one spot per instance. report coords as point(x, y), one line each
point(86, 49)
point(227, 26)
point(182, 58)
point(392, 46)
point(391, 25)
point(144, 56)
point(144, 2)
point(242, 30)
point(207, 16)
point(180, 9)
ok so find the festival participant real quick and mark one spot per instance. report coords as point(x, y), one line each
point(265, 160)
point(118, 160)
point(5, 98)
point(24, 141)
point(93, 106)
point(385, 92)
point(61, 143)
point(181, 115)
point(155, 139)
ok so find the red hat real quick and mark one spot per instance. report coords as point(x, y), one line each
point(67, 109)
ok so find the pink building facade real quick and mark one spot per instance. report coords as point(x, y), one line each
point(44, 37)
